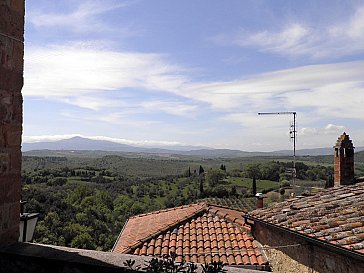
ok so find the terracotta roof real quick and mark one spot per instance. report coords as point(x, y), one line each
point(211, 233)
point(139, 228)
point(334, 215)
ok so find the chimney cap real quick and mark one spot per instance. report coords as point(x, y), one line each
point(344, 141)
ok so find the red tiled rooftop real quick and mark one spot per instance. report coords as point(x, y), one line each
point(334, 215)
point(202, 233)
point(143, 226)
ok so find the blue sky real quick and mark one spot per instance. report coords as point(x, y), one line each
point(161, 73)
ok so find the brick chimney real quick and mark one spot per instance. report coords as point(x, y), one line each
point(343, 161)
point(259, 200)
point(11, 83)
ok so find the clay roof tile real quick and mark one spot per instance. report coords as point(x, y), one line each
point(206, 235)
point(334, 215)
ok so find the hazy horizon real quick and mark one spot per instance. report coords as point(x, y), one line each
point(149, 145)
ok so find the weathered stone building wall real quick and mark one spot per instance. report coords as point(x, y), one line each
point(11, 83)
point(305, 258)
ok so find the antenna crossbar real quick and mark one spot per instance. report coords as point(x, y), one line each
point(293, 133)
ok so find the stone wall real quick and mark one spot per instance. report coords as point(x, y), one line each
point(300, 256)
point(11, 83)
point(37, 258)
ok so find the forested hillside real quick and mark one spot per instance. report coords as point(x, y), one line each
point(84, 202)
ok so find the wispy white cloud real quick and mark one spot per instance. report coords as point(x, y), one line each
point(125, 118)
point(75, 69)
point(300, 39)
point(82, 17)
point(170, 107)
point(329, 129)
point(293, 40)
point(79, 75)
point(334, 100)
point(93, 102)
point(252, 120)
point(318, 89)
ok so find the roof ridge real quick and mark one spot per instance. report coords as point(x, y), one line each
point(237, 222)
point(169, 209)
point(225, 207)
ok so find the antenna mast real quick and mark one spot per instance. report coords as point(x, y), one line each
point(293, 135)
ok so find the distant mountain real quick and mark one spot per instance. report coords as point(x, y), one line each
point(79, 143)
point(85, 144)
point(223, 153)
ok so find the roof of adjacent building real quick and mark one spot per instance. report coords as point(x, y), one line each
point(198, 233)
point(244, 204)
point(334, 215)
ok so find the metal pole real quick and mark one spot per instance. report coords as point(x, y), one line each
point(25, 227)
point(292, 137)
point(294, 151)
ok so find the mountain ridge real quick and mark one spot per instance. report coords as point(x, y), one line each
point(85, 144)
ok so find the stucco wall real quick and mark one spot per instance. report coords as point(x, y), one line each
point(37, 258)
point(305, 258)
point(11, 83)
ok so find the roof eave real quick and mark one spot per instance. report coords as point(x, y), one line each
point(117, 240)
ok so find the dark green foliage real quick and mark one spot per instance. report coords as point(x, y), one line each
point(218, 191)
point(329, 181)
point(83, 240)
point(214, 177)
point(274, 170)
point(214, 267)
point(168, 264)
point(253, 170)
point(131, 265)
point(233, 191)
point(282, 191)
point(87, 207)
point(201, 180)
point(58, 181)
point(200, 170)
point(254, 187)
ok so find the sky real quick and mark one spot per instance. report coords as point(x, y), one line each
point(195, 72)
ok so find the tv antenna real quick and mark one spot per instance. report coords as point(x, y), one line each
point(293, 136)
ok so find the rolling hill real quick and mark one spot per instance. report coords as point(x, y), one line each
point(108, 147)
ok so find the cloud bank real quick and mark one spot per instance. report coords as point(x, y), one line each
point(300, 39)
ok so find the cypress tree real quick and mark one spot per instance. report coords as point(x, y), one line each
point(201, 170)
point(201, 185)
point(254, 189)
